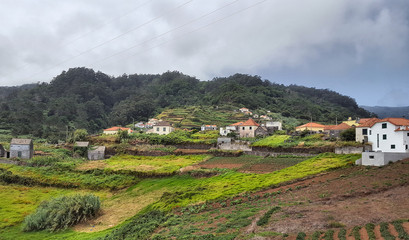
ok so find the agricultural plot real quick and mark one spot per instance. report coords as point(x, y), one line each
point(18, 201)
point(144, 164)
point(152, 198)
point(253, 164)
point(48, 176)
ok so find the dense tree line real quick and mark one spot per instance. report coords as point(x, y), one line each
point(83, 98)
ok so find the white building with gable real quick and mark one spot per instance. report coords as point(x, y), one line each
point(390, 139)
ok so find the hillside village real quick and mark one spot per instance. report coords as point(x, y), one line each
point(383, 140)
point(266, 158)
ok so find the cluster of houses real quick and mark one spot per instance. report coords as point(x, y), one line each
point(389, 137)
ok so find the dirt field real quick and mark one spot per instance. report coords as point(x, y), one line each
point(346, 197)
point(251, 164)
point(341, 199)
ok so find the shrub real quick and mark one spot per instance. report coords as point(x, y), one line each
point(264, 219)
point(301, 236)
point(342, 234)
point(62, 212)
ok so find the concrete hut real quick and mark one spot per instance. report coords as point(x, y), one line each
point(21, 148)
point(96, 153)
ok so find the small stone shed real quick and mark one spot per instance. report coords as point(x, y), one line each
point(96, 153)
point(21, 148)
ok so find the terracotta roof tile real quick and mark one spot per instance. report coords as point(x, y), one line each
point(236, 124)
point(342, 126)
point(368, 122)
point(250, 122)
point(116, 129)
point(312, 124)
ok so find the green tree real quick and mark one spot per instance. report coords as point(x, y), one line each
point(348, 135)
point(80, 135)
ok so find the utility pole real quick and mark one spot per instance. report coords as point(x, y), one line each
point(133, 123)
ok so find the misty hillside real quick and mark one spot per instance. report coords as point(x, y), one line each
point(83, 98)
point(384, 112)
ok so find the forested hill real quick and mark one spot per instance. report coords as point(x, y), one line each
point(83, 98)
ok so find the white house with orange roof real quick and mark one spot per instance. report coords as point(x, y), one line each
point(390, 139)
point(390, 135)
point(244, 110)
point(114, 130)
point(243, 129)
point(208, 127)
point(231, 128)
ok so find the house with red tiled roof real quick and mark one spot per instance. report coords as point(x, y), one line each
point(362, 130)
point(208, 127)
point(243, 129)
point(114, 130)
point(335, 130)
point(312, 127)
point(248, 128)
point(389, 138)
point(389, 135)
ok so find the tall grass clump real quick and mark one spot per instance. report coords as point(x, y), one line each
point(62, 212)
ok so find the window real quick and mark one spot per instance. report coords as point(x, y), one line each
point(407, 134)
point(384, 125)
point(406, 147)
point(384, 137)
point(371, 157)
point(19, 154)
point(164, 129)
point(364, 131)
point(250, 128)
point(393, 146)
point(244, 128)
point(370, 132)
point(157, 129)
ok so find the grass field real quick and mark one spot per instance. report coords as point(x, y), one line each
point(48, 176)
point(158, 165)
point(164, 193)
point(18, 201)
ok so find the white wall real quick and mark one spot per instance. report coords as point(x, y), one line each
point(381, 158)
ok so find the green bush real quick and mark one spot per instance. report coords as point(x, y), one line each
point(264, 219)
point(62, 212)
point(301, 236)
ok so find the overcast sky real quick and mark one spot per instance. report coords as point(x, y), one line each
point(356, 47)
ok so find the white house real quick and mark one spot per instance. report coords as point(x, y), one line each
point(390, 139)
point(208, 127)
point(389, 135)
point(161, 128)
point(231, 128)
point(275, 125)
